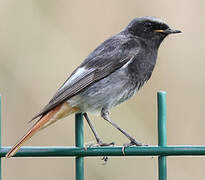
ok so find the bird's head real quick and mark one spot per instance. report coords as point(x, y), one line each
point(150, 28)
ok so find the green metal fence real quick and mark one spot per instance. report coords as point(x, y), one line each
point(79, 152)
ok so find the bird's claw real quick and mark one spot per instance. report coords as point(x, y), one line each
point(98, 144)
point(132, 143)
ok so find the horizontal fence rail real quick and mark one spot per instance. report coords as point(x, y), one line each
point(50, 151)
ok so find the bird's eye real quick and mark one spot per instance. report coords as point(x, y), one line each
point(149, 25)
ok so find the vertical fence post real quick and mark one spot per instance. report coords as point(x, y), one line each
point(0, 140)
point(162, 134)
point(79, 142)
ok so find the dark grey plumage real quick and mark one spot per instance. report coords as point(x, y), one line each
point(137, 45)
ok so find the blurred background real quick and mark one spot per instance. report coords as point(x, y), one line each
point(42, 42)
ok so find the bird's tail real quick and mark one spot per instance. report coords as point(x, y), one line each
point(52, 116)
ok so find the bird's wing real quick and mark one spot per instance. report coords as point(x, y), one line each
point(106, 59)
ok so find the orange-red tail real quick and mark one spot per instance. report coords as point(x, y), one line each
point(52, 116)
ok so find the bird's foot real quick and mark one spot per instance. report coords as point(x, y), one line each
point(105, 158)
point(133, 142)
point(98, 144)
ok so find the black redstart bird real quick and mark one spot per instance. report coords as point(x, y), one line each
point(111, 74)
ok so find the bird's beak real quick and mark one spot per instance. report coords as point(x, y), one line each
point(167, 31)
point(171, 31)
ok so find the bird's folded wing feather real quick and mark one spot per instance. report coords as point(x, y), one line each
point(98, 65)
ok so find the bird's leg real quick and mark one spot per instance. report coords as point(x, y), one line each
point(99, 142)
point(105, 115)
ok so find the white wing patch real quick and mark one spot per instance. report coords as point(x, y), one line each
point(128, 62)
point(79, 74)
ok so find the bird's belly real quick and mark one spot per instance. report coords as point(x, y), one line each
point(106, 93)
